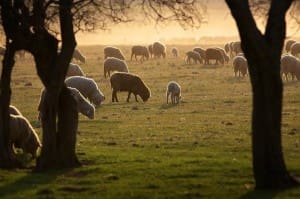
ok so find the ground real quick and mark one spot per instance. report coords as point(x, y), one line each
point(200, 148)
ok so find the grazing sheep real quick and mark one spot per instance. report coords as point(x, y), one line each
point(240, 65)
point(159, 49)
point(236, 47)
point(74, 70)
point(290, 65)
point(83, 105)
point(201, 51)
point(22, 135)
point(78, 55)
point(195, 56)
point(227, 48)
point(128, 82)
point(110, 51)
point(139, 51)
point(175, 52)
point(295, 48)
point(87, 87)
point(174, 89)
point(288, 44)
point(114, 64)
point(13, 110)
point(150, 48)
point(226, 57)
point(213, 53)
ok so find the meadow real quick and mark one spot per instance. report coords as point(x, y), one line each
point(200, 148)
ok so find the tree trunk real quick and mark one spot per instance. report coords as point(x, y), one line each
point(67, 129)
point(7, 156)
point(263, 54)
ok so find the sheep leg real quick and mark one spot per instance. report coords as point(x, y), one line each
point(129, 93)
point(114, 96)
point(168, 97)
point(135, 97)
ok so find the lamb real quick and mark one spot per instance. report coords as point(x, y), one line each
point(240, 65)
point(213, 53)
point(74, 70)
point(295, 48)
point(78, 55)
point(128, 82)
point(175, 52)
point(139, 51)
point(159, 50)
point(201, 51)
point(83, 105)
point(288, 44)
point(174, 89)
point(290, 65)
point(195, 56)
point(22, 135)
point(114, 64)
point(110, 51)
point(87, 87)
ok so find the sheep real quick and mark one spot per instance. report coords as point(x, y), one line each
point(150, 48)
point(174, 51)
point(159, 49)
point(195, 56)
point(139, 51)
point(78, 55)
point(114, 64)
point(74, 70)
point(83, 105)
point(227, 48)
point(290, 64)
point(22, 135)
point(295, 48)
point(236, 47)
point(288, 44)
point(13, 110)
point(174, 89)
point(213, 53)
point(240, 65)
point(226, 57)
point(110, 51)
point(201, 51)
point(128, 82)
point(87, 87)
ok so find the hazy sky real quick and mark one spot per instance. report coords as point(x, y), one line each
point(219, 24)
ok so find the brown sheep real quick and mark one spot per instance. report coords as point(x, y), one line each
point(240, 65)
point(195, 56)
point(201, 51)
point(22, 135)
point(226, 57)
point(214, 54)
point(139, 51)
point(110, 51)
point(159, 50)
point(290, 65)
point(295, 48)
point(128, 82)
point(288, 44)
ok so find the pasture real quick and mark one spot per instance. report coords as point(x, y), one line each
point(200, 148)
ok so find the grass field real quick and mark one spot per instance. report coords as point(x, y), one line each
point(199, 148)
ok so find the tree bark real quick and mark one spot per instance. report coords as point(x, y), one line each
point(263, 54)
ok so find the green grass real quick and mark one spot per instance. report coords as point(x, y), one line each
point(200, 148)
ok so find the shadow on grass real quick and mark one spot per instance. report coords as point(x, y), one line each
point(31, 181)
point(254, 194)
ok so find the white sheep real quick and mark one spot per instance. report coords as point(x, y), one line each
point(87, 87)
point(83, 105)
point(110, 51)
point(22, 135)
point(290, 65)
point(78, 55)
point(240, 65)
point(174, 90)
point(74, 70)
point(114, 64)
